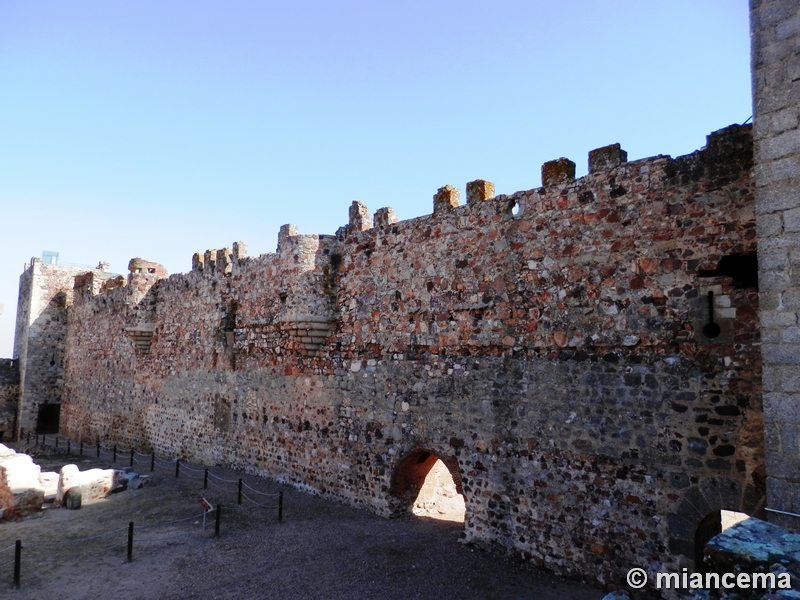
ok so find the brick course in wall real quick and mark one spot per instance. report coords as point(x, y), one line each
point(548, 345)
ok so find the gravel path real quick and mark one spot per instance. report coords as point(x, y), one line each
point(321, 550)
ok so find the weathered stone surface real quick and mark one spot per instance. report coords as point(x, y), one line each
point(553, 359)
point(776, 101)
point(73, 497)
point(49, 484)
point(9, 397)
point(94, 483)
point(557, 172)
point(21, 491)
point(45, 292)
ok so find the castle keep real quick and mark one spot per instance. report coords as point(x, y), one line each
point(585, 357)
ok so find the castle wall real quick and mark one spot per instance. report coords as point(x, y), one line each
point(45, 292)
point(9, 397)
point(547, 345)
point(775, 26)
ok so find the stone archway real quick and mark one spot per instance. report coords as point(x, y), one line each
point(428, 485)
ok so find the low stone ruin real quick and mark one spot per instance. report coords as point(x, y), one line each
point(23, 486)
point(25, 489)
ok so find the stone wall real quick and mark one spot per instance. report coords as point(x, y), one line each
point(9, 397)
point(45, 292)
point(549, 346)
point(775, 28)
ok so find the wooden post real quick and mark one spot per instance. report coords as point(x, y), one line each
point(130, 541)
point(17, 561)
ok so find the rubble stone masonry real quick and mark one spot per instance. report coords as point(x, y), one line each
point(45, 293)
point(553, 347)
point(9, 397)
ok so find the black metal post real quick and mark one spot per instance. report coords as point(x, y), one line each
point(29, 437)
point(69, 446)
point(114, 459)
point(177, 467)
point(17, 561)
point(280, 507)
point(130, 541)
point(81, 448)
point(152, 462)
point(37, 439)
point(98, 448)
point(205, 479)
point(131, 458)
point(218, 517)
point(56, 441)
point(239, 499)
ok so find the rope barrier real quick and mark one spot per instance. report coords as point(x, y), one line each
point(94, 537)
point(258, 492)
point(154, 540)
point(11, 547)
point(167, 463)
point(200, 516)
point(256, 502)
point(219, 487)
point(6, 564)
point(184, 466)
point(221, 479)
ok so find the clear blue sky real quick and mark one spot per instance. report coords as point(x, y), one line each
point(159, 129)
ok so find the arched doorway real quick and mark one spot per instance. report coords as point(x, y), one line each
point(714, 523)
point(429, 486)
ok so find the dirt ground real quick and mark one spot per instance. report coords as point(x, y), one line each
point(322, 549)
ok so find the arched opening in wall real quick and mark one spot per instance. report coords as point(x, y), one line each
point(713, 524)
point(430, 486)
